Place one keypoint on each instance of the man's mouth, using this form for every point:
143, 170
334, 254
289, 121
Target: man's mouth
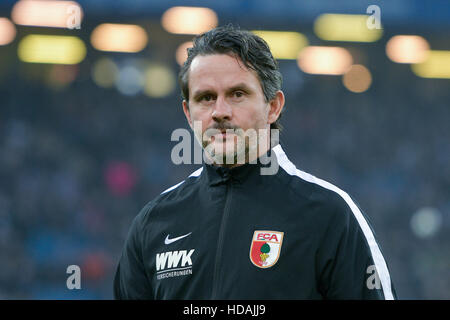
224, 134
221, 135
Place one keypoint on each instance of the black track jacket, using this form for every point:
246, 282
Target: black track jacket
237, 234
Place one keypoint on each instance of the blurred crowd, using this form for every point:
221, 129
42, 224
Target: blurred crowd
78, 163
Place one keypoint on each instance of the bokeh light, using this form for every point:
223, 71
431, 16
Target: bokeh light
120, 178
407, 49
104, 72
324, 60
7, 31
119, 37
345, 27
283, 44
426, 222
160, 81
60, 76
130, 80
47, 13
357, 79
436, 65
189, 20
36, 48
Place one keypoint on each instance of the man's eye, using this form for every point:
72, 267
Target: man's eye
238, 94
207, 98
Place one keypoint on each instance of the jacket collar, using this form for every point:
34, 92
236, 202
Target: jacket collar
217, 175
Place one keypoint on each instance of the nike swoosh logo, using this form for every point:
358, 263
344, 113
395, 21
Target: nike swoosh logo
169, 241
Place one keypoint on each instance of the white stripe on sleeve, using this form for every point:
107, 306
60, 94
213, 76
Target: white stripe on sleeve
196, 173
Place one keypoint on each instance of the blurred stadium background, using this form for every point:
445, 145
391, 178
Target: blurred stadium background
89, 99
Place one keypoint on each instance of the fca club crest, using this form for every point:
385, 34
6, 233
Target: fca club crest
265, 248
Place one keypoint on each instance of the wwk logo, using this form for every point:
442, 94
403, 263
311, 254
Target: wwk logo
174, 264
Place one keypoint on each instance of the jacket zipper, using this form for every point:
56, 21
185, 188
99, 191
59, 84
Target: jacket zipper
223, 225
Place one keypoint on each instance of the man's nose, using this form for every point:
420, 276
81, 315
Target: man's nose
222, 110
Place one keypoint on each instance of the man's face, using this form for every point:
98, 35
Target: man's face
226, 96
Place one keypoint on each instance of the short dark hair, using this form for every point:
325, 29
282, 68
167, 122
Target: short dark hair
250, 48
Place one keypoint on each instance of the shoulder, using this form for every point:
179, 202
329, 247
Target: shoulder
173, 194
331, 202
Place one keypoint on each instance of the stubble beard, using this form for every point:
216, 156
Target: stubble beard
228, 153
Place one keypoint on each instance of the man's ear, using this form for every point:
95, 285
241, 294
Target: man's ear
276, 106
186, 112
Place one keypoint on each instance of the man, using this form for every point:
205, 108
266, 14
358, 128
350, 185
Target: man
232, 230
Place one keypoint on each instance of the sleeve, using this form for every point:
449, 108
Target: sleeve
131, 281
350, 262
